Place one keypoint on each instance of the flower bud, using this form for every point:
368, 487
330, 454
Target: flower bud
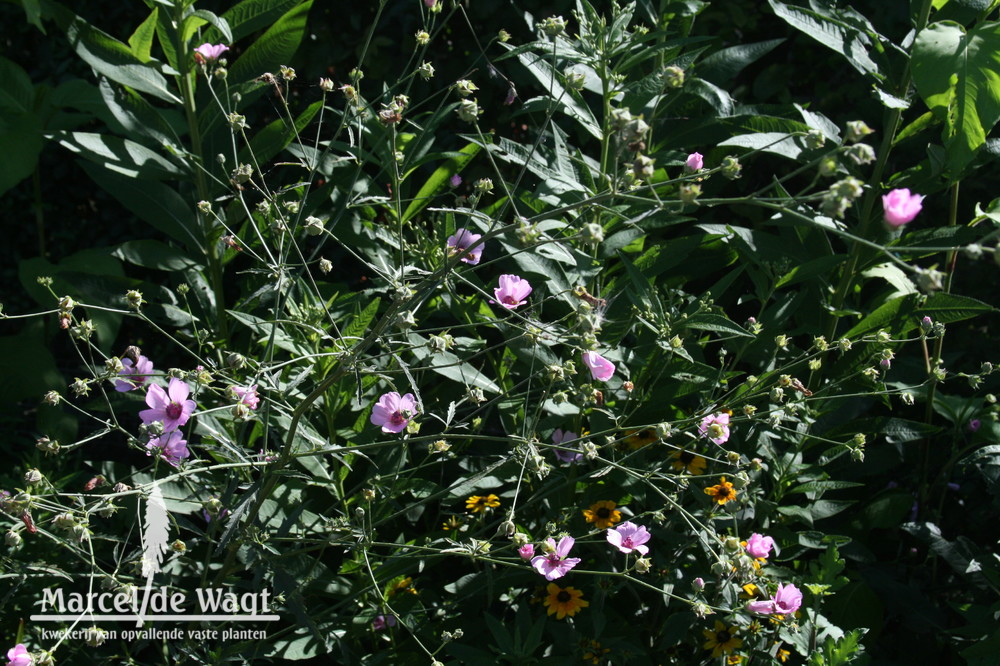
95, 636
553, 26
422, 37
815, 139
468, 110
314, 226
178, 546
689, 193
426, 71
673, 77
134, 299
856, 130
32, 476
325, 266
287, 73
237, 122
643, 565
731, 167
12, 539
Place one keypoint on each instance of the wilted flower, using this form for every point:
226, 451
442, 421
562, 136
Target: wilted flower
171, 407
629, 537
558, 437
715, 427
512, 292
393, 412
555, 563
786, 600
462, 240
900, 207
133, 374
171, 446
600, 368
247, 396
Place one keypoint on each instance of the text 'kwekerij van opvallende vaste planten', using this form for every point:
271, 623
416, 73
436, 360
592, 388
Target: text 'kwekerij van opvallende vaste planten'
461, 332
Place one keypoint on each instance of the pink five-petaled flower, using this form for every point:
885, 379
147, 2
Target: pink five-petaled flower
382, 622
694, 162
554, 563
248, 396
601, 368
211, 52
462, 240
393, 412
786, 600
133, 375
715, 427
171, 445
558, 437
18, 656
759, 546
628, 537
901, 207
527, 551
172, 406
512, 291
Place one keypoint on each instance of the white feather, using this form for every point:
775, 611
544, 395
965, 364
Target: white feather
155, 532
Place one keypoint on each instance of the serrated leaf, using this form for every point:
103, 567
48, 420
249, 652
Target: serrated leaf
725, 64
956, 74
776, 143
715, 323
845, 39
275, 47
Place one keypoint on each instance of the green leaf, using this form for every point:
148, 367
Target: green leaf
116, 61
137, 116
153, 202
274, 138
439, 179
21, 143
120, 155
831, 32
359, 324
17, 95
725, 64
250, 16
715, 323
199, 18
958, 75
141, 40
777, 143
33, 13
154, 254
275, 47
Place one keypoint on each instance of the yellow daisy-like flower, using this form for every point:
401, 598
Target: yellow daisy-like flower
721, 640
563, 601
592, 651
734, 659
480, 503
686, 460
751, 591
636, 439
453, 523
603, 514
783, 655
721, 493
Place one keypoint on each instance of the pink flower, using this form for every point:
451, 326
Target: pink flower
248, 396
900, 206
171, 445
628, 537
171, 406
715, 427
786, 600
133, 375
554, 564
18, 656
381, 622
461, 241
393, 412
558, 437
601, 368
211, 52
512, 291
430, 3
974, 425
694, 162
455, 180
527, 551
759, 546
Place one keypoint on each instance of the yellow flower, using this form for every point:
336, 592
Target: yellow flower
783, 655
603, 514
401, 585
636, 439
734, 659
692, 462
721, 493
592, 651
479, 504
563, 601
453, 523
721, 640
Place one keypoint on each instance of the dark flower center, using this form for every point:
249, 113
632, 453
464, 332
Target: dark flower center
686, 457
722, 637
508, 300
563, 597
724, 491
397, 418
174, 411
603, 512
